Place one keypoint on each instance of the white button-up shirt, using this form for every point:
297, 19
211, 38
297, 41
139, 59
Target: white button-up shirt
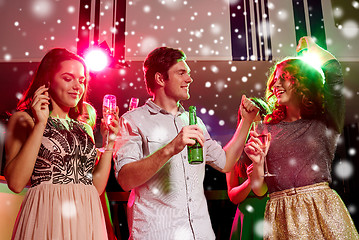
172, 204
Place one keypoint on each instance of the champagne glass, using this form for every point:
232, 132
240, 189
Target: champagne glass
108, 112
264, 139
133, 104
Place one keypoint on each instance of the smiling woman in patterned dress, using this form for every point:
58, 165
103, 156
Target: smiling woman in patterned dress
47, 146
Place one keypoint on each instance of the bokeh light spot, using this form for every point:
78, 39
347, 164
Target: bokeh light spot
338, 12
352, 209
148, 44
146, 9
68, 209
71, 9
355, 4
42, 8
155, 191
96, 59
259, 228
214, 69
315, 167
343, 169
350, 29
249, 208
182, 233
352, 151
7, 57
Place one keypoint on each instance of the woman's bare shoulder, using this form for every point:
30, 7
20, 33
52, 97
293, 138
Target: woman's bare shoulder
21, 119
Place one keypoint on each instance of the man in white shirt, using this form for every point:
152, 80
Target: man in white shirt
167, 200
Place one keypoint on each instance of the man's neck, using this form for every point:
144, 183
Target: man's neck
169, 105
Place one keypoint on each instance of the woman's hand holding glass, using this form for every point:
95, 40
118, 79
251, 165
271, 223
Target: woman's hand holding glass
109, 123
109, 129
257, 149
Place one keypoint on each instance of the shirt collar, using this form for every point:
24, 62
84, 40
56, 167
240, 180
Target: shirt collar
155, 109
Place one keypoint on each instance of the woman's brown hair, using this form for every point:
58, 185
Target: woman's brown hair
308, 85
45, 73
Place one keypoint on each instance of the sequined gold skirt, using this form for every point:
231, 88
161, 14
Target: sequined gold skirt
310, 212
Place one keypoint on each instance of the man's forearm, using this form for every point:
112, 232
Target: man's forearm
137, 173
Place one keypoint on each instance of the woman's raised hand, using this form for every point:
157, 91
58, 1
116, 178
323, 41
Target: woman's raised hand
40, 104
308, 43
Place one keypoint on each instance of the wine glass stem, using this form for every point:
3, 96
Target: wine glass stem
106, 143
265, 166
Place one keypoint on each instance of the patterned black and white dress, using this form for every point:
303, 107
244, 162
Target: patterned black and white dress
62, 202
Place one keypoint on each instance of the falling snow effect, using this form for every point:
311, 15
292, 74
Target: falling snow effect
350, 29
68, 209
202, 31
352, 209
182, 234
315, 168
155, 191
343, 170
266, 228
258, 228
250, 209
42, 9
292, 162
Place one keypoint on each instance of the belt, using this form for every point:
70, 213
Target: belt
298, 190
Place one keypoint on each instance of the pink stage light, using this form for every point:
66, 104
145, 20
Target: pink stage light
97, 59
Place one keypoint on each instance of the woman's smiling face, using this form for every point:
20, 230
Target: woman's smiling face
283, 87
68, 85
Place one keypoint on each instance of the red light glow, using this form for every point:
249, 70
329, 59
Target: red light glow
96, 60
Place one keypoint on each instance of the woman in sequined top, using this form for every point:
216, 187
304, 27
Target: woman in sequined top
46, 145
307, 118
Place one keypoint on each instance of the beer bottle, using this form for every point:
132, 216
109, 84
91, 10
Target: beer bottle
195, 152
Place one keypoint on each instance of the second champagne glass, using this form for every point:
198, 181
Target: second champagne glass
133, 104
108, 112
264, 139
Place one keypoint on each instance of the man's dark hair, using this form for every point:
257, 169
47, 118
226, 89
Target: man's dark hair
160, 60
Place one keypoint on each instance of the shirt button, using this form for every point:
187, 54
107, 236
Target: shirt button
187, 178
190, 199
185, 157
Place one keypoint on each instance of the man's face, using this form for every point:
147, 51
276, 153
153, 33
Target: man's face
179, 79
